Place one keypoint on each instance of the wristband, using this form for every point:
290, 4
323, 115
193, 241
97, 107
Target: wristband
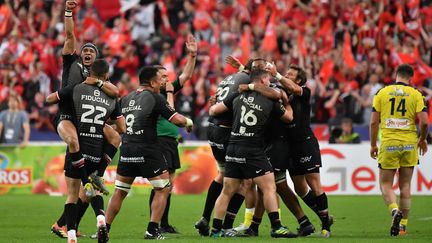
251, 86
169, 91
189, 122
99, 83
241, 68
68, 13
278, 76
192, 54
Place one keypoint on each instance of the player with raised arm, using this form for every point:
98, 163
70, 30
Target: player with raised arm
91, 108
76, 68
305, 152
245, 156
167, 132
141, 153
394, 110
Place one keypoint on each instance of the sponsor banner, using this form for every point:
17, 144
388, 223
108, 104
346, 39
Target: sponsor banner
347, 170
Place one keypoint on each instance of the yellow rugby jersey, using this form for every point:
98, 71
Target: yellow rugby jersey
398, 104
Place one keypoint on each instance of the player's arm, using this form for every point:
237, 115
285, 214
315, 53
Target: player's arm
118, 119
263, 89
284, 111
168, 112
169, 89
373, 133
422, 116
287, 83
69, 45
64, 94
191, 47
107, 87
222, 107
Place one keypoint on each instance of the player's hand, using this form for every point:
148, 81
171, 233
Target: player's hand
71, 4
374, 152
243, 88
212, 100
233, 62
189, 125
191, 45
422, 145
271, 68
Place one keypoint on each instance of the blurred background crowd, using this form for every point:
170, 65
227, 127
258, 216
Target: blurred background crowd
349, 48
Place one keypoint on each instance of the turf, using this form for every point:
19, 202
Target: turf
25, 218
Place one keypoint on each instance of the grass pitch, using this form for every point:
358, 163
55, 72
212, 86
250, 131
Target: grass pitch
28, 218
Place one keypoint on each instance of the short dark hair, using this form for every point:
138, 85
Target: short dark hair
158, 66
257, 74
347, 120
99, 68
301, 73
405, 71
147, 74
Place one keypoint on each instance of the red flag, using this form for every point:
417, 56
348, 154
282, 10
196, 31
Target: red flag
399, 19
326, 70
302, 45
261, 15
269, 42
245, 45
347, 52
325, 28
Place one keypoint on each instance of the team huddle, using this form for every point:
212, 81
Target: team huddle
259, 129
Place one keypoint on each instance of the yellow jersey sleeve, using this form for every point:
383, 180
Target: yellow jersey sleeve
420, 103
376, 103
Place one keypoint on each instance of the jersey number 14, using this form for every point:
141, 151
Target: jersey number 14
400, 108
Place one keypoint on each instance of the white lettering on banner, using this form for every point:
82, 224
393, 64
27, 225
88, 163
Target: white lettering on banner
348, 169
15, 177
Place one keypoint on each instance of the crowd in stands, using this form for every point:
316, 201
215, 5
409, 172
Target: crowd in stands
349, 48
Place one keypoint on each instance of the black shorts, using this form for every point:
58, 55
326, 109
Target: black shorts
218, 138
305, 157
278, 151
145, 161
62, 115
246, 162
73, 172
170, 151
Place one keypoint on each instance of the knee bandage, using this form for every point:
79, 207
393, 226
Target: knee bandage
160, 183
122, 186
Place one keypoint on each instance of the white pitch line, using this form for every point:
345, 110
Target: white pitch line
425, 219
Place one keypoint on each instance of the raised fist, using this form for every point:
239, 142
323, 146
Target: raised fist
71, 4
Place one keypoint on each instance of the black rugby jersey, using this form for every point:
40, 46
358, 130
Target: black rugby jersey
141, 110
299, 129
225, 88
251, 115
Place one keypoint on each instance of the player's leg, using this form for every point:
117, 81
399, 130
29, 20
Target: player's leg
292, 203
250, 199
172, 158
386, 177
234, 206
70, 207
314, 181
67, 132
231, 186
123, 185
111, 143
267, 185
218, 137
161, 186
405, 176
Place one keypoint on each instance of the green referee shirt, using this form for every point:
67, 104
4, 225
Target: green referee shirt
164, 127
